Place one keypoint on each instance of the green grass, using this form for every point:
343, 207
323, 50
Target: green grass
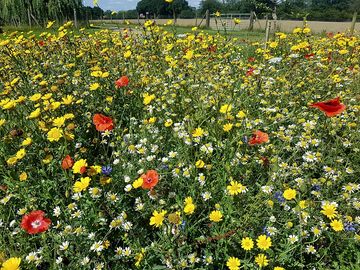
242, 34
36, 30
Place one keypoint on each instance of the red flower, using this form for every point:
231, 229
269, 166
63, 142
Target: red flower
250, 72
123, 81
330, 107
35, 222
259, 137
67, 162
150, 179
309, 56
102, 122
41, 43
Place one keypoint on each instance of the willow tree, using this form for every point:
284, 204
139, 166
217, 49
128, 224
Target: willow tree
38, 11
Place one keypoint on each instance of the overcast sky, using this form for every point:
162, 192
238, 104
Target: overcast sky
117, 5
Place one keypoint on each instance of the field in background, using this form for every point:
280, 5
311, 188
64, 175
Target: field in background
282, 25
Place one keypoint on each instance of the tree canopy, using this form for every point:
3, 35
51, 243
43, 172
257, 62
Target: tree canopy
161, 8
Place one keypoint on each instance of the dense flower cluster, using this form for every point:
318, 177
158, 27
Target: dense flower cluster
151, 150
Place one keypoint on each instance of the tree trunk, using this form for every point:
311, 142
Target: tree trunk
251, 24
207, 15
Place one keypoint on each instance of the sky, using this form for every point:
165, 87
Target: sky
116, 5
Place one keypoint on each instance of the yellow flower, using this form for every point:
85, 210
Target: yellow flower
11, 161
20, 154
138, 183
329, 210
49, 24
2, 122
337, 225
169, 1
343, 51
78, 165
174, 218
48, 159
189, 54
217, 14
54, 134
306, 30
233, 263
23, 176
247, 243
235, 188
200, 164
273, 44
11, 264
26, 142
237, 21
227, 127
263, 242
4, 42
157, 218
168, 123
94, 86
127, 54
279, 268
148, 98
215, 216
289, 194
261, 260
82, 184
189, 209
35, 97
241, 115
34, 114
226, 108
59, 121
198, 132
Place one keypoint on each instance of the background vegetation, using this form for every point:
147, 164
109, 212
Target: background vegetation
19, 12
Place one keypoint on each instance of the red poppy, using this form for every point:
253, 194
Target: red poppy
41, 43
123, 81
35, 222
330, 35
259, 137
150, 179
330, 107
309, 56
212, 48
102, 122
250, 72
67, 162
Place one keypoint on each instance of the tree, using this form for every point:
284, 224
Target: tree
161, 8
211, 5
40, 11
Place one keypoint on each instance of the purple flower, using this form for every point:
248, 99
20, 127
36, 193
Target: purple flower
278, 195
350, 227
106, 169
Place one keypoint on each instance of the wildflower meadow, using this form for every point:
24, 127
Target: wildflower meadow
154, 150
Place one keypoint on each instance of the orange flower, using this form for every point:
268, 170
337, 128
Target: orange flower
123, 81
331, 107
150, 179
259, 137
102, 122
67, 162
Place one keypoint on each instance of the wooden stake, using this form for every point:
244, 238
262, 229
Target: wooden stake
353, 22
207, 15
